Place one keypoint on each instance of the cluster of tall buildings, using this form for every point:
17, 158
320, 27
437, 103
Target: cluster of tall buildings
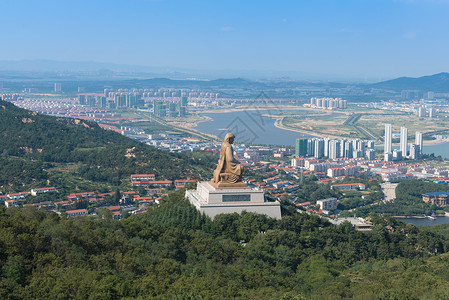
172, 109
95, 100
161, 108
335, 148
172, 94
399, 154
328, 103
164, 102
11, 97
58, 87
423, 112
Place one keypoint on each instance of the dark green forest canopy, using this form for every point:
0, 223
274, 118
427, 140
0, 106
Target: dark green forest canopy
103, 155
174, 252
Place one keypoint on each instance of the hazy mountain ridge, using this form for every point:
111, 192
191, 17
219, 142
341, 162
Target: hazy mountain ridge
95, 76
436, 83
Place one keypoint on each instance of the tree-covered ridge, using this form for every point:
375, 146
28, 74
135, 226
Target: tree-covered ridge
102, 155
174, 252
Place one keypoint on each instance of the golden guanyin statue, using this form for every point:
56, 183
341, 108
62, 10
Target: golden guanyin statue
229, 171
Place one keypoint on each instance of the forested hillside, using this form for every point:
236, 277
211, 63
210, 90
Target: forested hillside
30, 139
173, 252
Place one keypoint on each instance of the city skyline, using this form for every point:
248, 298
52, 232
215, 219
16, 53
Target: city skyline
319, 39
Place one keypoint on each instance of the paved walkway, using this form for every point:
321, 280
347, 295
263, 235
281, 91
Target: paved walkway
389, 190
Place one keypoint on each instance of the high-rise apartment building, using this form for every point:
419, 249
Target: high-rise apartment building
371, 154
421, 112
397, 154
311, 147
418, 142
319, 148
403, 141
414, 151
58, 87
326, 147
301, 147
388, 138
334, 149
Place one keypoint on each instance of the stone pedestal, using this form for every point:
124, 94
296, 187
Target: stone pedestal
213, 200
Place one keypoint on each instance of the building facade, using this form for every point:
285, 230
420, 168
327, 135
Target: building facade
436, 198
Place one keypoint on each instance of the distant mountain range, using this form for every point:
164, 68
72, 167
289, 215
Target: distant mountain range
93, 74
436, 83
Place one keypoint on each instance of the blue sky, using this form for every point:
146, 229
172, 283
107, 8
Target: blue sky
357, 39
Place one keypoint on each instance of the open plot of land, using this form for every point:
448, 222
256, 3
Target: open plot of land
321, 125
376, 122
369, 123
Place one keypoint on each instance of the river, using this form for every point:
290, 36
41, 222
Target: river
426, 221
251, 126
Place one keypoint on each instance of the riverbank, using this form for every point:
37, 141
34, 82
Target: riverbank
435, 142
248, 108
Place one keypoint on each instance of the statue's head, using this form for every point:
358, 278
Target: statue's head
229, 138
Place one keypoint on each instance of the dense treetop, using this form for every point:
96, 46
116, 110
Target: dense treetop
174, 252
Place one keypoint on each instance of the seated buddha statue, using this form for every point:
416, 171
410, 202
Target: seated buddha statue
229, 169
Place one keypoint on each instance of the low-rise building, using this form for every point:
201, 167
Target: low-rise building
437, 198
76, 212
11, 203
143, 177
327, 204
17, 196
348, 186
35, 192
183, 182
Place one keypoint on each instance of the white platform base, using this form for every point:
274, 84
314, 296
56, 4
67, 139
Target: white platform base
213, 201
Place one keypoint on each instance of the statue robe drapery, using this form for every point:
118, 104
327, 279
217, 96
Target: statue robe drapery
227, 164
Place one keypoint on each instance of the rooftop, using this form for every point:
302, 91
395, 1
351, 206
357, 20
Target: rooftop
438, 194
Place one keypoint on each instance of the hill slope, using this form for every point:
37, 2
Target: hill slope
437, 83
101, 155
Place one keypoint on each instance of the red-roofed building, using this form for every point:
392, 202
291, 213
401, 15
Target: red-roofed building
113, 208
116, 215
76, 212
106, 194
17, 196
77, 196
64, 203
11, 203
